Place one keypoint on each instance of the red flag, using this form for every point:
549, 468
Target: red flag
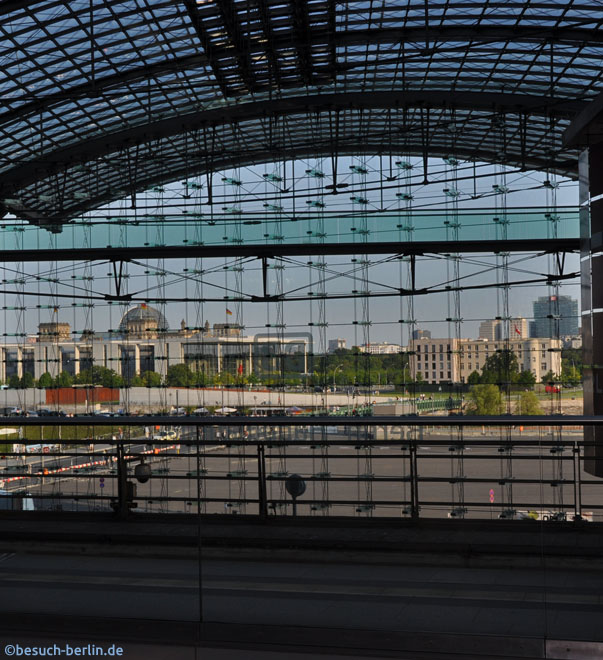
517, 331
240, 369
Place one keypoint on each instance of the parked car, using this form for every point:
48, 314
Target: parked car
46, 412
11, 411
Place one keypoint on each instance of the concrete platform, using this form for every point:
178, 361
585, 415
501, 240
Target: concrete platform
321, 586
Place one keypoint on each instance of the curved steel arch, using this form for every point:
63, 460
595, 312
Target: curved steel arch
133, 158
96, 86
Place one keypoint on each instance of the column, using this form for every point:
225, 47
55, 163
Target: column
19, 362
76, 360
38, 362
591, 270
136, 359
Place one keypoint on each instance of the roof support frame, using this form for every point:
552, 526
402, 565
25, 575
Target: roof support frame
126, 253
26, 173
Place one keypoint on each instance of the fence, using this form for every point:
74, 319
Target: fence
397, 467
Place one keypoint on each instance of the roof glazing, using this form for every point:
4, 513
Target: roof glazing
104, 98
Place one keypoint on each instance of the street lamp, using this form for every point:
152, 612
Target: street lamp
339, 366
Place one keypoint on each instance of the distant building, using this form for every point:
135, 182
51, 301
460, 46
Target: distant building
489, 330
572, 342
421, 334
336, 344
497, 329
453, 360
555, 316
143, 342
54, 332
381, 348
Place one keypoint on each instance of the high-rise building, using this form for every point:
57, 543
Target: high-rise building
496, 329
490, 330
555, 316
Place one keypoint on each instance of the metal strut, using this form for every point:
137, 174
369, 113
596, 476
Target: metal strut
118, 278
265, 276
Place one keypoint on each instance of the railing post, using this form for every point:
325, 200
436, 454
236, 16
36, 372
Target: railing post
414, 489
263, 504
122, 484
577, 481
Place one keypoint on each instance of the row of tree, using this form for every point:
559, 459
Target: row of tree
178, 375
502, 368
343, 367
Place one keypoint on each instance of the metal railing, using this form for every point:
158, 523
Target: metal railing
457, 467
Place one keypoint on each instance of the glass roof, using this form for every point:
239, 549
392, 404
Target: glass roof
104, 98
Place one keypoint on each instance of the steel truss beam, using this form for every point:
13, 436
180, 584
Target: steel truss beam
114, 253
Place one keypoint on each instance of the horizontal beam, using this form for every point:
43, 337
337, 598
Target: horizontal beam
111, 253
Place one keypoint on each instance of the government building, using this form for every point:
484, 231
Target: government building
144, 342
453, 360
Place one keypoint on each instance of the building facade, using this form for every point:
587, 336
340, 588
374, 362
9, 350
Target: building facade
453, 360
143, 342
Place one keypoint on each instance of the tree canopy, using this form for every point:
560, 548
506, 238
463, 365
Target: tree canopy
528, 404
485, 400
99, 376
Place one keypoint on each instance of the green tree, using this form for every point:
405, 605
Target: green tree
199, 379
14, 381
45, 380
151, 379
474, 378
572, 357
136, 381
528, 404
549, 378
526, 378
226, 378
501, 369
485, 400
570, 375
99, 376
179, 375
27, 380
63, 380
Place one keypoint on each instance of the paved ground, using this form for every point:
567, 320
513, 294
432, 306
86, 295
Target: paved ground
487, 601
390, 590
